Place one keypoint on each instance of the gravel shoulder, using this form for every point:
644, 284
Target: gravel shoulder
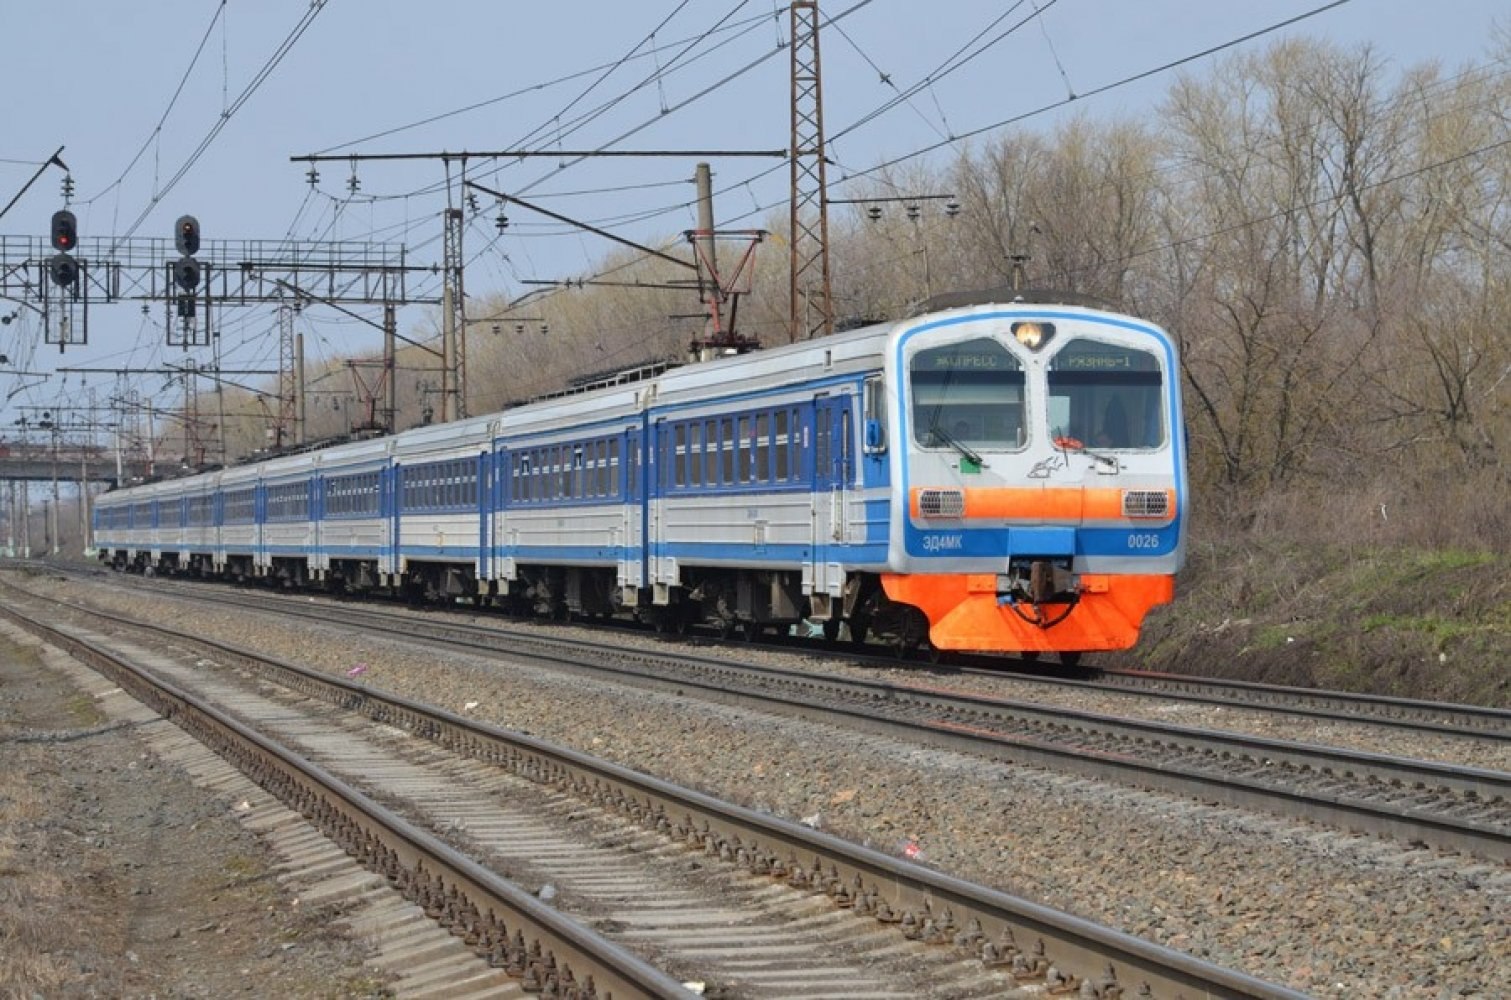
119, 877
1333, 914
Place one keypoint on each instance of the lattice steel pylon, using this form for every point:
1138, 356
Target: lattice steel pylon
454, 395
283, 430
812, 314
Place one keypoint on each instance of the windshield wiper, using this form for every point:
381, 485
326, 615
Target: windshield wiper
940, 434
1068, 444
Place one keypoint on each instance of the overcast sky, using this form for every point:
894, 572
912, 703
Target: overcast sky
99, 78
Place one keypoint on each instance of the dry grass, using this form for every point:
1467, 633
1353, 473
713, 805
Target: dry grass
26, 965
1387, 587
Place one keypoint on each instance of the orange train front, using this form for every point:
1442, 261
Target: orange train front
1037, 474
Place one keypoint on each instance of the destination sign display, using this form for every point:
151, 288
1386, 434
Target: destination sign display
1089, 356
973, 355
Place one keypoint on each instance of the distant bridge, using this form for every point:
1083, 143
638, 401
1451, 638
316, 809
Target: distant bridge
42, 463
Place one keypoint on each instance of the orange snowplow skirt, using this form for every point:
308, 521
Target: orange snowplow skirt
964, 614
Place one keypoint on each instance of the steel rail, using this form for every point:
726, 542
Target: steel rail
498, 919
1003, 930
1348, 706
1413, 715
1094, 745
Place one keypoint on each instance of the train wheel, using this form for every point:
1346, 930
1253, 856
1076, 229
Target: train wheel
751, 632
831, 629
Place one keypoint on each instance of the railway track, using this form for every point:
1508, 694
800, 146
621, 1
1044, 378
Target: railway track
1442, 805
1409, 715
1420, 802
842, 899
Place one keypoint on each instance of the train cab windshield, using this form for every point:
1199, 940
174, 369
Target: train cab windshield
968, 395
1106, 395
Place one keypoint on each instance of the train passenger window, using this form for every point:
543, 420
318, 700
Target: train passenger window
743, 447
1106, 395
679, 467
968, 394
762, 448
843, 446
613, 467
821, 445
781, 442
875, 415
695, 454
632, 467
727, 451
711, 452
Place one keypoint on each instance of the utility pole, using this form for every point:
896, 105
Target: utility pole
454, 322
704, 245
84, 502
26, 519
390, 351
285, 429
808, 230
53, 514
301, 429
151, 443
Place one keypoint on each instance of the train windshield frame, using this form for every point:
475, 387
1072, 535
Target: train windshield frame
970, 393
1107, 395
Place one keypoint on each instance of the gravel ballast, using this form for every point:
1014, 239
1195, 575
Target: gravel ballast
1330, 913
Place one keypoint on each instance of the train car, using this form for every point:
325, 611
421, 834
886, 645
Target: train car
568, 521
440, 516
1000, 472
238, 547
989, 476
762, 504
354, 516
123, 524
199, 536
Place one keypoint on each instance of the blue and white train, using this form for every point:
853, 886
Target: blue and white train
1002, 473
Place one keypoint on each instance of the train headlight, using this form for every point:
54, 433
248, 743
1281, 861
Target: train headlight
1033, 335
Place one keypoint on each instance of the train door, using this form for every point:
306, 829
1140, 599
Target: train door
259, 534
318, 559
833, 477
389, 560
483, 471
663, 568
628, 469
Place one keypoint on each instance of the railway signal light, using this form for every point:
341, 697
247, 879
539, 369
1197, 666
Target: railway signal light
65, 230
186, 273
186, 235
63, 270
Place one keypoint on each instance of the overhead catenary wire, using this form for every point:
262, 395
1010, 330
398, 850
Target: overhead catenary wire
283, 49
872, 171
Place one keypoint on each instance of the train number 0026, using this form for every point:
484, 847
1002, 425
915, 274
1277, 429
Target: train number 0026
1143, 541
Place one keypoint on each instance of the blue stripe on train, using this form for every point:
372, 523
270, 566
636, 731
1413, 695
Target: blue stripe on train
1041, 541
